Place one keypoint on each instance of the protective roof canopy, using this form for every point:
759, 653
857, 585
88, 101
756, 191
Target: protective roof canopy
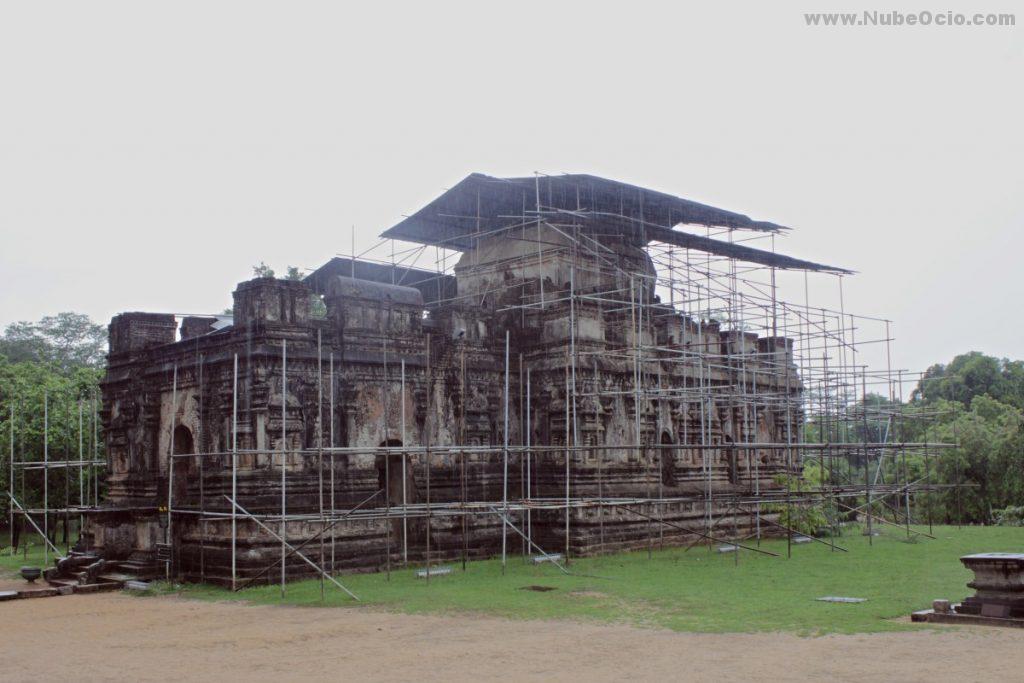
432, 286
481, 204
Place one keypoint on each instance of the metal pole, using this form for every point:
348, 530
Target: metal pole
824, 437
634, 332
428, 423
462, 455
571, 395
46, 540
600, 480
867, 480
522, 460
10, 482
903, 450
95, 454
568, 454
504, 474
81, 465
234, 474
333, 461
387, 465
320, 445
546, 556
789, 451
284, 453
170, 474
66, 503
405, 501
46, 477
302, 557
529, 494
201, 461
273, 565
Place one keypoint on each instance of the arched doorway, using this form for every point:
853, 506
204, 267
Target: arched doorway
183, 440
407, 535
389, 474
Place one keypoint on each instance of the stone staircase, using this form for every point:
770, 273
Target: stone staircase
84, 572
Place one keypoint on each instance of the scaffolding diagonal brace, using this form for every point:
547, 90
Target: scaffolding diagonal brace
308, 561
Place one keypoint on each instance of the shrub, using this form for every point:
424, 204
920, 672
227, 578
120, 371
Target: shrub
1012, 515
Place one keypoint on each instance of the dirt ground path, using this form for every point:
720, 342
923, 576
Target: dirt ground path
125, 638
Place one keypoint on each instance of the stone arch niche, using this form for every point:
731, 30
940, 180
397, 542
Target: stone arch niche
184, 444
668, 460
183, 441
389, 473
390, 481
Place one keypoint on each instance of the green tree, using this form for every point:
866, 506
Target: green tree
986, 468
973, 374
262, 270
67, 340
49, 377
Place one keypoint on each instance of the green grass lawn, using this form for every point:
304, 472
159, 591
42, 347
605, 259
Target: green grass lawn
9, 563
690, 591
683, 591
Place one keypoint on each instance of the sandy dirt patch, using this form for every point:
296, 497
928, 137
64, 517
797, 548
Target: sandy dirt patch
120, 637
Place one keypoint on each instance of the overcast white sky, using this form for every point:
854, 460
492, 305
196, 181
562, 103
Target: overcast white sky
151, 153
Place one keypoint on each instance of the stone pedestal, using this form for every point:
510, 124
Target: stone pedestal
999, 585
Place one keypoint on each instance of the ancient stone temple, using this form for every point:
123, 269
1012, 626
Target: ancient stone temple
556, 385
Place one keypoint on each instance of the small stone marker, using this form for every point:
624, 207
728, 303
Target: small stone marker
802, 539
940, 606
727, 548
538, 559
434, 571
836, 598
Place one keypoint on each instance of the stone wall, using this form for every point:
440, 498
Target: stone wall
163, 395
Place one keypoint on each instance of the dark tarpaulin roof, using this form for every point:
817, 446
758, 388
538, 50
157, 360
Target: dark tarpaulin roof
350, 287
481, 204
433, 286
738, 251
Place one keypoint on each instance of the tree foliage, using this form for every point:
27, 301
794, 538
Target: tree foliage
987, 465
974, 374
979, 404
67, 340
49, 372
263, 270
976, 402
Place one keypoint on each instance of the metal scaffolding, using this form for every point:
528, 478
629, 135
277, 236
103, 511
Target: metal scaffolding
825, 373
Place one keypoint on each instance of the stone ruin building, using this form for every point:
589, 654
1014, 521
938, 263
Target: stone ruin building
546, 386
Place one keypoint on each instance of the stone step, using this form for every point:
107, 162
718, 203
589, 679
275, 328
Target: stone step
98, 587
63, 582
140, 568
131, 566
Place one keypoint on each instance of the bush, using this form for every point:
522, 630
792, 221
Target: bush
804, 518
1010, 516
